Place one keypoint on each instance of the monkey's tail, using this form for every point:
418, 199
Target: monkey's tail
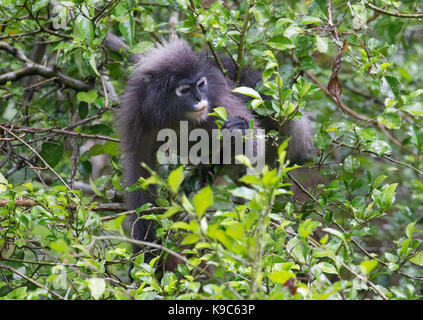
300, 146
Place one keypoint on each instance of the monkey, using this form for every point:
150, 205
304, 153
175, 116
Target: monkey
173, 83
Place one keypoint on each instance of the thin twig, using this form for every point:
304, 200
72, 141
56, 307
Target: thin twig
38, 155
394, 14
32, 281
347, 109
383, 156
100, 207
244, 28
59, 131
32, 68
216, 57
152, 245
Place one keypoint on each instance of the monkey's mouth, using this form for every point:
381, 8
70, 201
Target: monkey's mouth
200, 109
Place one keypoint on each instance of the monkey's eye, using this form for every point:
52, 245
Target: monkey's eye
202, 82
182, 90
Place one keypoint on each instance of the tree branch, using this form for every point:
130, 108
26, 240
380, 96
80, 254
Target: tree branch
116, 44
394, 14
60, 131
32, 68
347, 109
244, 28
192, 7
32, 281
38, 155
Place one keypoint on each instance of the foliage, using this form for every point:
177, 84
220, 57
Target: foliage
352, 229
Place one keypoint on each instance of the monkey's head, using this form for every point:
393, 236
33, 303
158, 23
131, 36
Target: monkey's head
191, 96
172, 83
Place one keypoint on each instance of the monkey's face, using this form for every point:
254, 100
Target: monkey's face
191, 96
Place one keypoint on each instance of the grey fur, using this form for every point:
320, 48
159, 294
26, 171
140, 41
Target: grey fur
300, 145
146, 108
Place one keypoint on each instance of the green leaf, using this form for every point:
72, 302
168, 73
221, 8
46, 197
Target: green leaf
3, 183
88, 97
111, 147
260, 11
322, 44
368, 265
256, 103
389, 194
380, 147
52, 152
281, 276
328, 217
409, 230
248, 92
234, 229
390, 86
97, 287
175, 179
280, 42
307, 227
94, 65
83, 27
171, 211
243, 192
41, 231
82, 109
390, 120
190, 239
351, 164
39, 4
116, 182
297, 249
219, 112
289, 208
59, 246
322, 140
326, 267
378, 181
95, 188
244, 160
385, 197
415, 109
202, 200
127, 28
336, 233
418, 259
310, 20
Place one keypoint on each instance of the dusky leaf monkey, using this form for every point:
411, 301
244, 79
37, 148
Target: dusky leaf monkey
172, 83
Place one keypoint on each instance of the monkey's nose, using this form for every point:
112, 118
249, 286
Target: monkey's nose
197, 96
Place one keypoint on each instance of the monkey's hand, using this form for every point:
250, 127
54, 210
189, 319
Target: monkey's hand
236, 123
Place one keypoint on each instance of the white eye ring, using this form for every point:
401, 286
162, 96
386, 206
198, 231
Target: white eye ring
202, 82
180, 90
